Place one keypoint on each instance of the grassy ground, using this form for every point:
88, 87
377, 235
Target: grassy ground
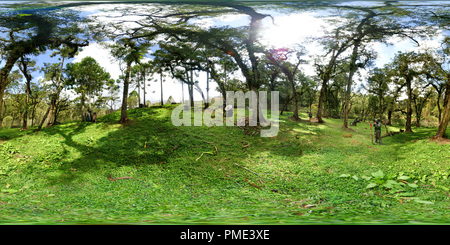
308, 174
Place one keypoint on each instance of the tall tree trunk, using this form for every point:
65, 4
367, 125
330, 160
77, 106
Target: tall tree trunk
83, 107
443, 124
126, 83
55, 97
438, 104
23, 66
4, 74
191, 89
144, 90
207, 91
353, 69
321, 101
418, 109
161, 80
1, 114
294, 97
408, 128
27, 103
1, 107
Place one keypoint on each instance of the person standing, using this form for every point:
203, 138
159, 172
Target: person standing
377, 129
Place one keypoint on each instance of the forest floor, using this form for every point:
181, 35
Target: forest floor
151, 172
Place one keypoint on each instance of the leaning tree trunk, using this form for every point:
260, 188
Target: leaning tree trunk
57, 110
43, 120
286, 103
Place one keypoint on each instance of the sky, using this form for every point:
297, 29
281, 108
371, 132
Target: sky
284, 30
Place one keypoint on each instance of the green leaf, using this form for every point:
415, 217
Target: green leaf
355, 177
443, 187
344, 175
390, 184
405, 194
10, 191
371, 185
423, 201
366, 177
403, 177
378, 174
412, 185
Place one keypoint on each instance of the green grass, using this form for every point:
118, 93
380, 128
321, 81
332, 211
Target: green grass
308, 174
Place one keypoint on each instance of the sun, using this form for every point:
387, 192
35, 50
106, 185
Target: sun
289, 30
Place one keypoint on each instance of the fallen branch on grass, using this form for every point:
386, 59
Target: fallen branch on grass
217, 151
250, 171
114, 179
252, 184
209, 152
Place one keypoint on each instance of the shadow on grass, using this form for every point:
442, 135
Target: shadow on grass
132, 144
151, 139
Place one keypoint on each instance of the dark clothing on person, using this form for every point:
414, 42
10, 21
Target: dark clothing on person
88, 117
377, 128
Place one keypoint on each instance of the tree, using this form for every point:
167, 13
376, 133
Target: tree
336, 46
406, 66
438, 75
139, 74
87, 78
182, 59
239, 43
378, 85
54, 74
360, 26
128, 52
420, 96
32, 31
14, 91
26, 66
278, 57
133, 100
113, 90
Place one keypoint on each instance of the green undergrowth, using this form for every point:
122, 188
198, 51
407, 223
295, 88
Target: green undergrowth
308, 173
